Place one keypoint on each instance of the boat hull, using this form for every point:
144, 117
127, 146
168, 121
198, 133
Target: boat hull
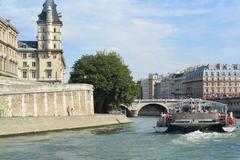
186, 128
161, 129
230, 129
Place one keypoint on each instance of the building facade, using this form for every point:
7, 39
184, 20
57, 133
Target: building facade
221, 80
43, 60
153, 80
148, 86
145, 88
206, 81
171, 86
8, 49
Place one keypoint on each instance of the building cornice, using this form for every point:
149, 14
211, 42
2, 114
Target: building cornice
9, 45
8, 24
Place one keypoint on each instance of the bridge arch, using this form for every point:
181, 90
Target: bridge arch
151, 109
128, 112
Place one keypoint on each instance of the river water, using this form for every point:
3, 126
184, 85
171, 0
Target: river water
135, 141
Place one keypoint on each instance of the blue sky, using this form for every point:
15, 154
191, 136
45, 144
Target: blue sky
152, 36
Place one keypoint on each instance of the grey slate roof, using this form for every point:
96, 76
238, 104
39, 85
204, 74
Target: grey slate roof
43, 15
28, 44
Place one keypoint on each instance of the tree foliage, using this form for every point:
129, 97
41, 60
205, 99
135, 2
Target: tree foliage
112, 80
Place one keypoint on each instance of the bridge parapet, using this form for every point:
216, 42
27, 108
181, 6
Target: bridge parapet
138, 104
158, 100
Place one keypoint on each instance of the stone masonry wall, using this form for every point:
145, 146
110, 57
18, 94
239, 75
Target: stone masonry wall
46, 100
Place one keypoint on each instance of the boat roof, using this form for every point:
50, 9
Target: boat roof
206, 103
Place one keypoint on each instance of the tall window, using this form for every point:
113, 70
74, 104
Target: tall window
33, 55
24, 74
49, 74
33, 64
49, 64
24, 56
34, 74
55, 46
24, 64
55, 30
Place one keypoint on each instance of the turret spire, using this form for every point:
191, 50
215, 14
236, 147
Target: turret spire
53, 6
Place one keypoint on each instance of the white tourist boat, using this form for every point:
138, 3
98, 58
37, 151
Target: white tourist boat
196, 114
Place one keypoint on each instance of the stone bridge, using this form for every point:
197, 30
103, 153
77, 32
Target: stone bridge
149, 107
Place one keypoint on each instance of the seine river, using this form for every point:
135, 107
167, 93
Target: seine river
136, 141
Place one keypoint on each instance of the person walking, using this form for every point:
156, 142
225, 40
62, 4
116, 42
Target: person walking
69, 111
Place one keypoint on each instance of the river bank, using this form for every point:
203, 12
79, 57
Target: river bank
24, 125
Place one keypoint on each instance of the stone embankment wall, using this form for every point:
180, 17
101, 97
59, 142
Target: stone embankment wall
46, 100
23, 125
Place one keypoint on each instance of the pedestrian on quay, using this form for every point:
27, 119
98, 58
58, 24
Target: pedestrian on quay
72, 111
69, 111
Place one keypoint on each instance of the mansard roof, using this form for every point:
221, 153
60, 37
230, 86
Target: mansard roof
43, 15
28, 44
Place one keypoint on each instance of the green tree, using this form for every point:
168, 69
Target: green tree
112, 80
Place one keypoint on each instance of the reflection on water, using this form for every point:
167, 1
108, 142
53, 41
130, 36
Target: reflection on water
125, 142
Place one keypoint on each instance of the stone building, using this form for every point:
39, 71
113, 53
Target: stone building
148, 86
206, 81
171, 86
153, 80
43, 60
8, 49
194, 82
211, 81
28, 62
221, 80
164, 89
145, 88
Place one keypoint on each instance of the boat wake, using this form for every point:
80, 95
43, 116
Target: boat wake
201, 137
